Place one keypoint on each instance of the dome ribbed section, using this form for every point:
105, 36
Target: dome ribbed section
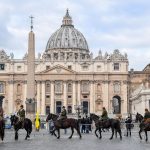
67, 37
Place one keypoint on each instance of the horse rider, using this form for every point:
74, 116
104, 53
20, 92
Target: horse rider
104, 115
21, 114
147, 116
63, 114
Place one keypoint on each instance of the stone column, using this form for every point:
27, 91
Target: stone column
43, 98
91, 97
94, 97
52, 107
106, 95
74, 97
79, 93
11, 96
65, 94
124, 103
38, 100
25, 94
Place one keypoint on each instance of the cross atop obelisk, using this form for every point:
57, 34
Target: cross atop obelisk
31, 17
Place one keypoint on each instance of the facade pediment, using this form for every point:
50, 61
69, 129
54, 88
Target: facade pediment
58, 69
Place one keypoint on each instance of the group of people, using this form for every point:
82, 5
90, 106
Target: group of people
63, 114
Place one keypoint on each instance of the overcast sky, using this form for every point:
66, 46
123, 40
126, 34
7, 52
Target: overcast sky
106, 25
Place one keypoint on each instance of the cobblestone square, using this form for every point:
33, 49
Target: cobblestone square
43, 140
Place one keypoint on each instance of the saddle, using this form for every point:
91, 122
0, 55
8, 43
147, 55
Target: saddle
61, 121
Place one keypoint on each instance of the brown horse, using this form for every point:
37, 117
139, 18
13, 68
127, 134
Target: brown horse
2, 129
64, 124
144, 127
114, 124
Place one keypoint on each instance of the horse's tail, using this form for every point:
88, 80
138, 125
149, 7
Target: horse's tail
29, 126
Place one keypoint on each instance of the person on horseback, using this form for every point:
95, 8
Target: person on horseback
147, 116
21, 114
104, 115
63, 114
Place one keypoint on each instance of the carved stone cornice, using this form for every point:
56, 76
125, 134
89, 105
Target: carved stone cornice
106, 81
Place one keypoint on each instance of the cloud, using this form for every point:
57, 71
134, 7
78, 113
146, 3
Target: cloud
106, 24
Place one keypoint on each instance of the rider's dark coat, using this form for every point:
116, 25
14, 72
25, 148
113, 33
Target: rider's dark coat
63, 114
104, 115
21, 114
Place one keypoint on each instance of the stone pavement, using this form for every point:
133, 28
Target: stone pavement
44, 141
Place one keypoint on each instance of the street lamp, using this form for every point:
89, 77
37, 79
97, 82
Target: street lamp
78, 109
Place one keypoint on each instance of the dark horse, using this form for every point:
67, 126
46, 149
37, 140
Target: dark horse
18, 125
2, 129
114, 124
64, 124
144, 127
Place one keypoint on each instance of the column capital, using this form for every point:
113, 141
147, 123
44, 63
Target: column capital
106, 81
11, 82
38, 81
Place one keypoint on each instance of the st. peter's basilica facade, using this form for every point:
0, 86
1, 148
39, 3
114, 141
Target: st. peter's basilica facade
66, 74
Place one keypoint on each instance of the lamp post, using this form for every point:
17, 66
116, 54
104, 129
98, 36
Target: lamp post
78, 109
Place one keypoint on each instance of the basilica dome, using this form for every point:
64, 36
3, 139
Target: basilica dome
67, 37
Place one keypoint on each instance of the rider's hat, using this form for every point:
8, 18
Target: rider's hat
63, 107
21, 106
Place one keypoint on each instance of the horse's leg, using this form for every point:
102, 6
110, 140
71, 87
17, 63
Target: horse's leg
112, 129
53, 132
100, 133
140, 133
58, 133
72, 131
78, 131
130, 132
16, 134
120, 134
127, 131
146, 135
116, 133
96, 132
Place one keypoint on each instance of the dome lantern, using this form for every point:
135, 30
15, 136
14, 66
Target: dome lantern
67, 20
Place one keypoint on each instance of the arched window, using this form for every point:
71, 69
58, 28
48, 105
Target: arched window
1, 87
117, 87
69, 87
18, 88
47, 87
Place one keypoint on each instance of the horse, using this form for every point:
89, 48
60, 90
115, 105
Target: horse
144, 127
138, 118
129, 125
114, 124
64, 124
18, 125
2, 129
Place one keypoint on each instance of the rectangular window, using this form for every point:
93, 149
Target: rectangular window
1, 87
47, 67
69, 67
85, 68
2, 66
116, 66
18, 68
69, 96
98, 68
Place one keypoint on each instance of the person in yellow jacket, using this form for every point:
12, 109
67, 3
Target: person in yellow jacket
37, 122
